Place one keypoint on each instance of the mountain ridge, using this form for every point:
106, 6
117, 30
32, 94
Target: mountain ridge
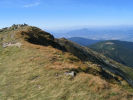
120, 51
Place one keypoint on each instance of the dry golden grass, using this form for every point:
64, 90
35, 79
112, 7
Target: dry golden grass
36, 72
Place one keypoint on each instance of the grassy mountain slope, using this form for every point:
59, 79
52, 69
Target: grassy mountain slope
83, 41
34, 69
120, 51
86, 54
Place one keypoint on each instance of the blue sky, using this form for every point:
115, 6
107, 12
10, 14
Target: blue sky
55, 14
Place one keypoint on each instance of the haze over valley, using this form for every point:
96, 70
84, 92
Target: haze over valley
124, 33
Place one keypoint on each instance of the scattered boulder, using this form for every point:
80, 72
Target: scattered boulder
11, 44
70, 73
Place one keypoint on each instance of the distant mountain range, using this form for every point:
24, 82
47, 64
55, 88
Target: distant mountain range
118, 33
119, 51
83, 41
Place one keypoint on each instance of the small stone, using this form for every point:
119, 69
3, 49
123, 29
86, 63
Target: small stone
72, 73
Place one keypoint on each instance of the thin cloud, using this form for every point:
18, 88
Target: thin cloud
32, 5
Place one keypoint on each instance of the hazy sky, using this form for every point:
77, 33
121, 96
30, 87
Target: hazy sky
66, 13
